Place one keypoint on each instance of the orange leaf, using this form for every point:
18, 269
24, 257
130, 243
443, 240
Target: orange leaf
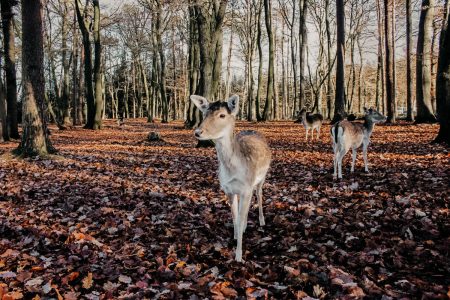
87, 281
74, 275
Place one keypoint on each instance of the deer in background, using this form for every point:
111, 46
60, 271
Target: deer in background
346, 135
244, 159
310, 121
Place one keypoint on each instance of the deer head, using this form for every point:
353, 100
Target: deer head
373, 115
218, 117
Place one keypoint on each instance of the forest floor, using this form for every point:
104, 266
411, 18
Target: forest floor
116, 216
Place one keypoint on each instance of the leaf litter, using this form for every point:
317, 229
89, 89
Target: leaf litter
116, 216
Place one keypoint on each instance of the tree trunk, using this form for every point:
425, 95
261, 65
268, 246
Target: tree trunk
328, 32
423, 65
443, 81
270, 73
258, 99
303, 40
409, 83
65, 95
3, 123
75, 93
97, 69
194, 62
339, 101
89, 89
35, 139
389, 74
230, 51
10, 68
162, 65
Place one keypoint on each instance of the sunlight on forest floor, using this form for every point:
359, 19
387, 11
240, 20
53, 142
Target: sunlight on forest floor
119, 216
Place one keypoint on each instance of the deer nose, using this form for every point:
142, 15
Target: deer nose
198, 132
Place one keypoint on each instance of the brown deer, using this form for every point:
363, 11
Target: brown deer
244, 159
346, 135
310, 121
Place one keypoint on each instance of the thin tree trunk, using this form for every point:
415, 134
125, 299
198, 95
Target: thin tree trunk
329, 83
258, 99
409, 83
75, 95
3, 123
97, 68
389, 74
64, 100
270, 73
89, 89
339, 102
303, 40
10, 68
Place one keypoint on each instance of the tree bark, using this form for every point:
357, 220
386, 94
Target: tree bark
339, 101
409, 83
389, 70
65, 95
303, 40
423, 65
260, 67
89, 89
270, 73
3, 123
35, 139
10, 67
97, 124
162, 64
443, 81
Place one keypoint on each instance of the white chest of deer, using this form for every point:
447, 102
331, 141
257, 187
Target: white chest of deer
244, 160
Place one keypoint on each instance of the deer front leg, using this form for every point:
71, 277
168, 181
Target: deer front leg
306, 137
365, 146
318, 133
234, 211
353, 159
244, 205
260, 203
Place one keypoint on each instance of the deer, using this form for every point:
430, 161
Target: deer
244, 160
346, 135
311, 121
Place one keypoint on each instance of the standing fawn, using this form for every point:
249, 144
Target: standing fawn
346, 135
244, 159
311, 121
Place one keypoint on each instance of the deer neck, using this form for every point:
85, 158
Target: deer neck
368, 127
226, 148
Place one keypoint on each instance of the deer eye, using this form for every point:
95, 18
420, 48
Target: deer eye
222, 116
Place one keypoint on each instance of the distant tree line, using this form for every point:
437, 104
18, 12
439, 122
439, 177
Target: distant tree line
81, 62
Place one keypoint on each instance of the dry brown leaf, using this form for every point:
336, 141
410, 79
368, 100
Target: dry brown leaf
88, 281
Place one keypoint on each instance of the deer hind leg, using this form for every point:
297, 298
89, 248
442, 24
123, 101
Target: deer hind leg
233, 198
260, 203
333, 142
353, 160
306, 137
341, 153
244, 205
318, 133
365, 146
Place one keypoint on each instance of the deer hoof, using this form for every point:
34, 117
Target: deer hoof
238, 255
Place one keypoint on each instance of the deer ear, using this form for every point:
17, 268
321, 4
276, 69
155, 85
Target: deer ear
365, 110
233, 104
201, 103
